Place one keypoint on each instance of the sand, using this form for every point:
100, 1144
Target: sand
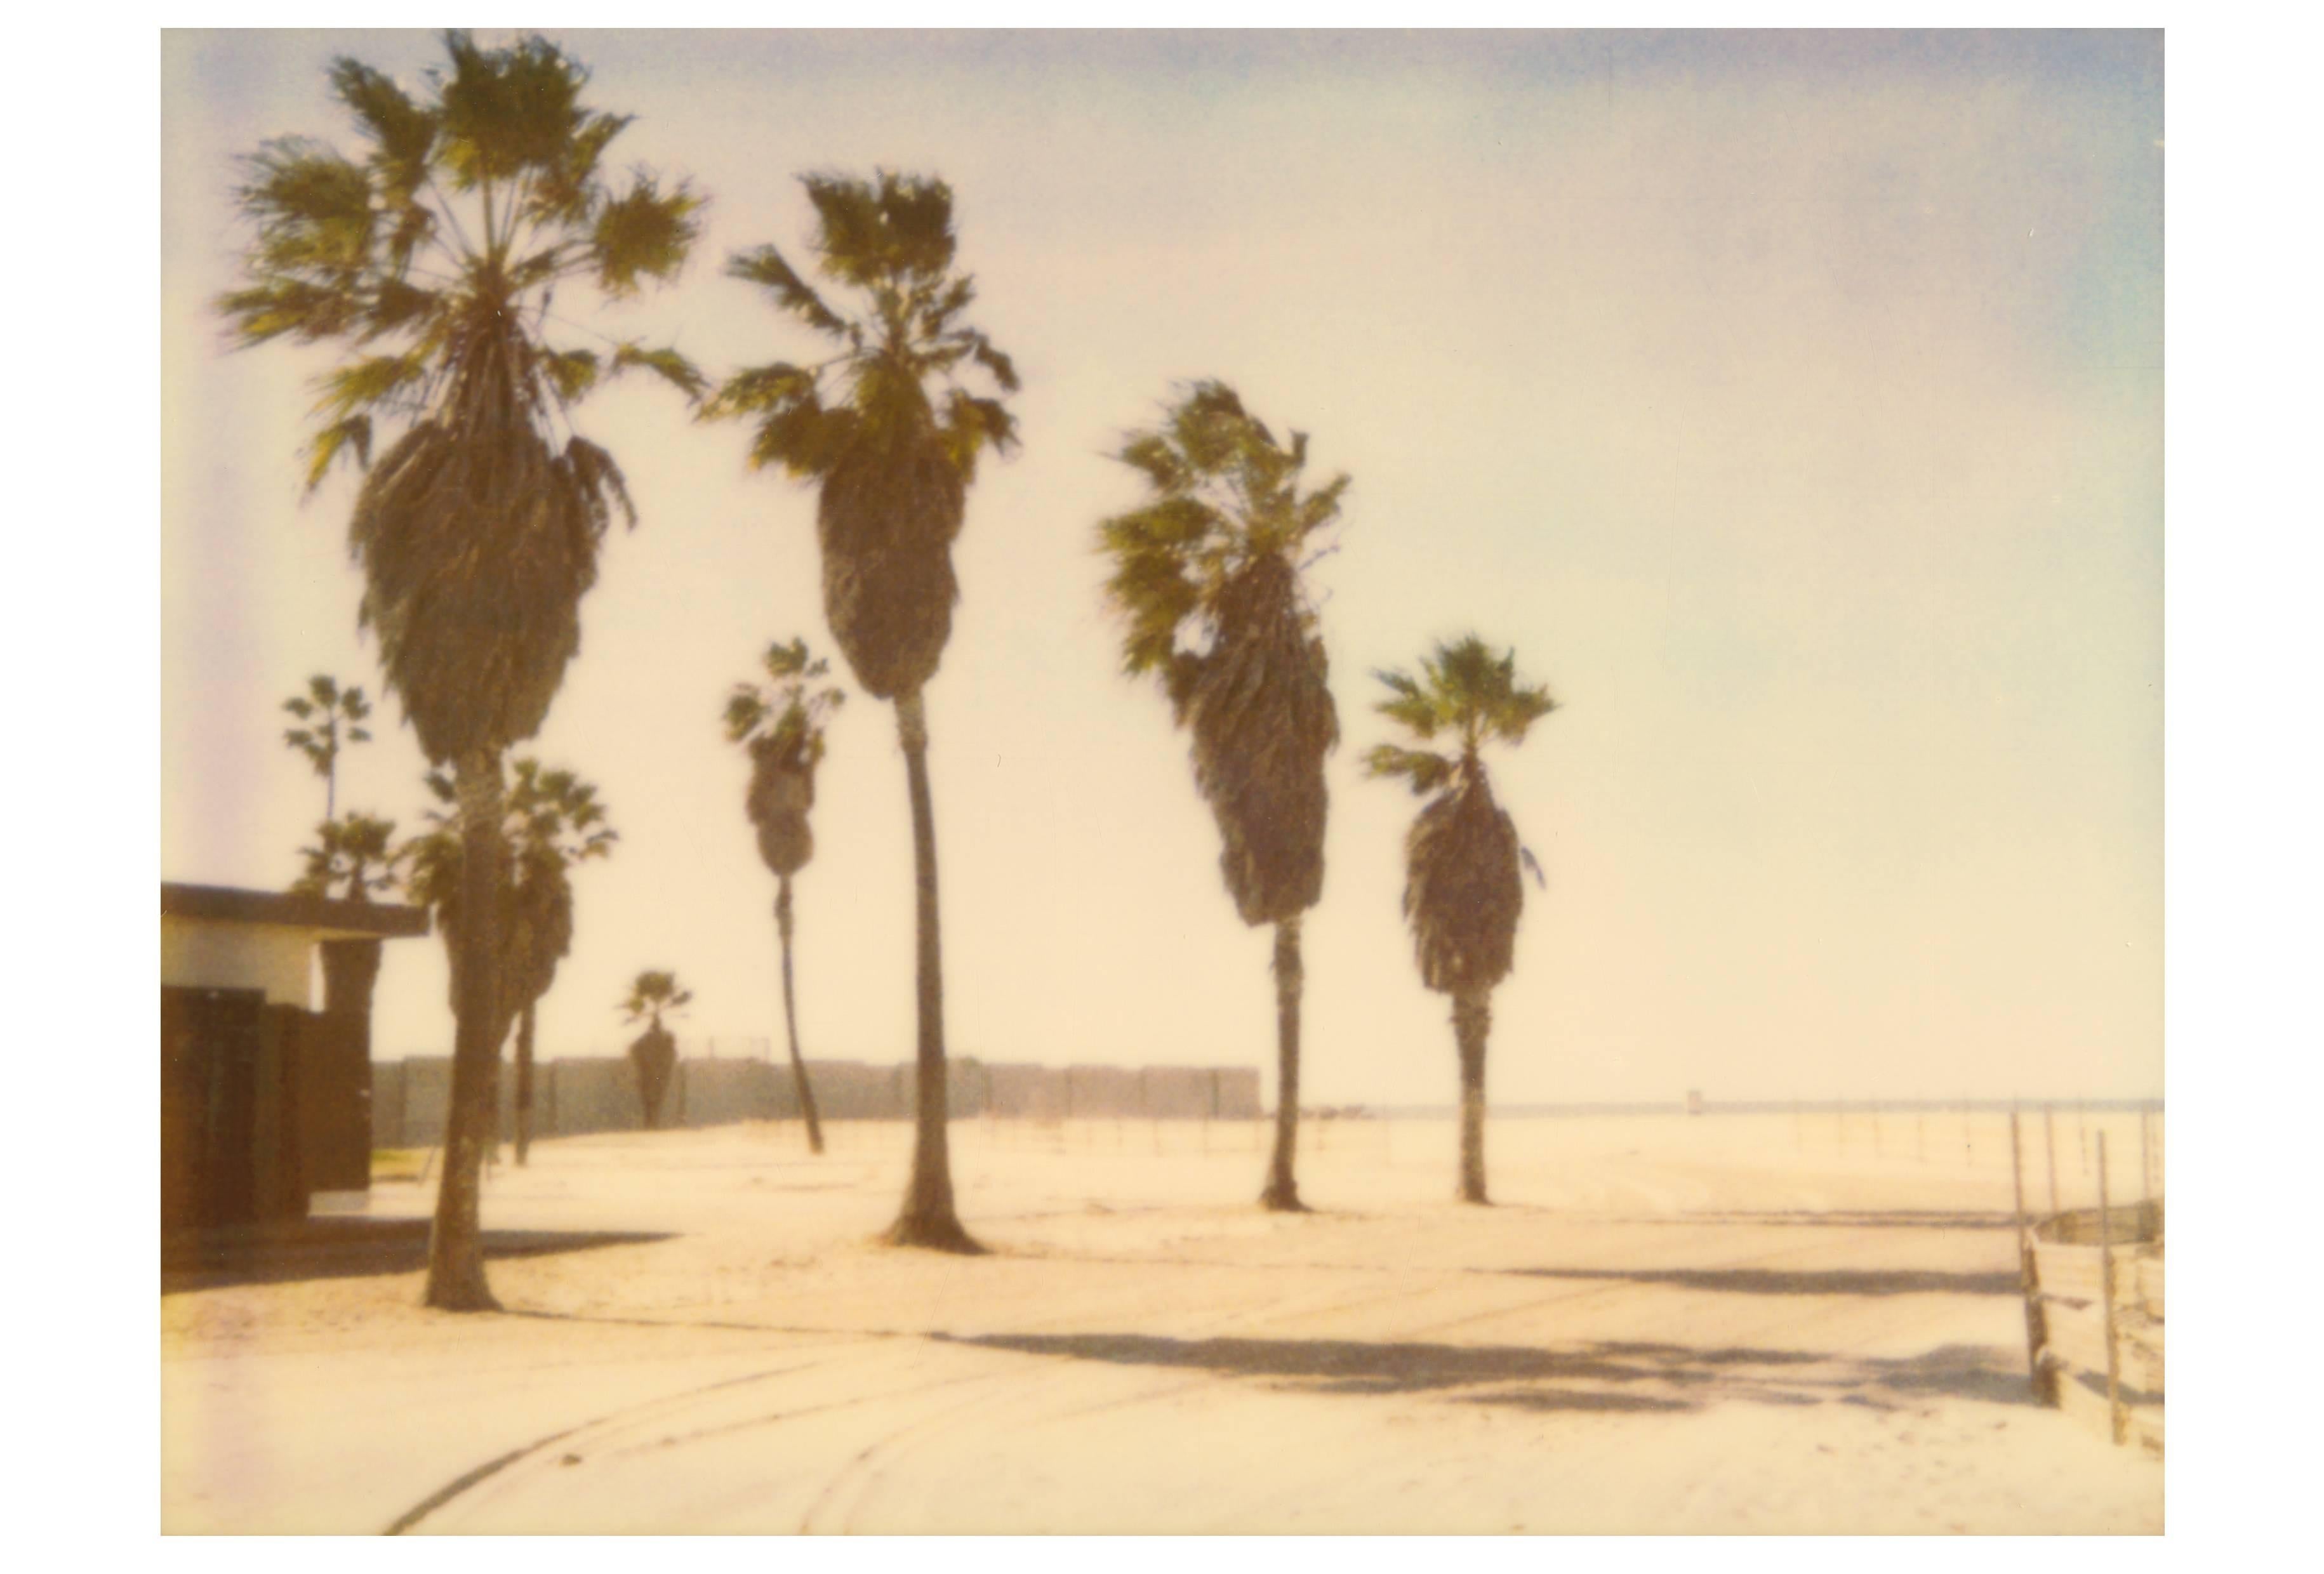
1730, 1324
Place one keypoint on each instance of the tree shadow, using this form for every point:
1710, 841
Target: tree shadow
1870, 1219
1795, 1281
1592, 1376
344, 1249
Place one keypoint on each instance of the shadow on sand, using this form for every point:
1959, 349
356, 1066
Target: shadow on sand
1872, 1219
1794, 1280
343, 1248
1587, 1376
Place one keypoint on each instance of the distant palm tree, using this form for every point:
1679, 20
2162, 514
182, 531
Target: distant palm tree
554, 820
1462, 892
651, 997
477, 531
558, 824
893, 454
334, 718
352, 859
783, 729
1207, 575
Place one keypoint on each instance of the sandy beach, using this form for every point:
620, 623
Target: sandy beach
1730, 1324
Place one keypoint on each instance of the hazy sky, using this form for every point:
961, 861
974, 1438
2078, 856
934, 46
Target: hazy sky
1793, 404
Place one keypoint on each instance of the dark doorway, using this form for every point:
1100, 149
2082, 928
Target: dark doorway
334, 1084
210, 1049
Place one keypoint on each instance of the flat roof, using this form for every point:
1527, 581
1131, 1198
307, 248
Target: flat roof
290, 910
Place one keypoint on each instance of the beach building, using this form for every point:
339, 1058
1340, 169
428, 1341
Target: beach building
266, 1101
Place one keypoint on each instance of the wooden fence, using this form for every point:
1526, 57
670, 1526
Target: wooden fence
2092, 1280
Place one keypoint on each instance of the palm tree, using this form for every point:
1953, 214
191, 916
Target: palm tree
557, 822
892, 452
783, 731
353, 858
652, 995
1207, 576
333, 718
1461, 891
433, 259
554, 820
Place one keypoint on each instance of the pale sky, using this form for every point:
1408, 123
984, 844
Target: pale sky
1793, 405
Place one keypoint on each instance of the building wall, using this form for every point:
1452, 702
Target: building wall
201, 954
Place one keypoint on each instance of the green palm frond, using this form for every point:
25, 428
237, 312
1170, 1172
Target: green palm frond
665, 363
1224, 494
572, 372
1465, 688
644, 234
370, 384
354, 858
1425, 771
765, 266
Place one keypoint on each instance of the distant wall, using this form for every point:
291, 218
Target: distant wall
575, 1096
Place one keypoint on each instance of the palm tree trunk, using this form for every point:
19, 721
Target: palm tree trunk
790, 1017
1282, 1192
927, 1217
1472, 1020
524, 1082
456, 1258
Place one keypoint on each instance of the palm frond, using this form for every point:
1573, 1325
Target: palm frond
644, 234
401, 133
764, 266
350, 434
1426, 772
665, 363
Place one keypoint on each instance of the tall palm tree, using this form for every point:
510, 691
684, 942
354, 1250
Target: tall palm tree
433, 259
1207, 575
892, 451
1462, 892
783, 729
334, 719
653, 996
554, 820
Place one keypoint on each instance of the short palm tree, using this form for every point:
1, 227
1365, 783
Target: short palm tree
1462, 892
333, 718
783, 729
554, 820
434, 258
353, 858
890, 437
1207, 576
653, 996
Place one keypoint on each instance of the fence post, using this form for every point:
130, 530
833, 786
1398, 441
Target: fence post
2118, 1421
2029, 1284
2050, 1146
